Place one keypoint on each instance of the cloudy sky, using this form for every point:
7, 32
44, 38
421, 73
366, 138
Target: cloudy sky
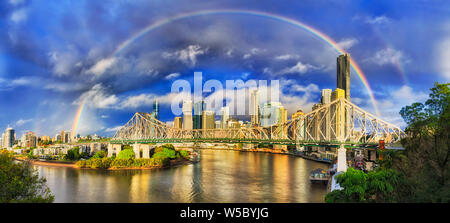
56, 55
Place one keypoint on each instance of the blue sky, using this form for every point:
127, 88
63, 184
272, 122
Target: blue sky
55, 54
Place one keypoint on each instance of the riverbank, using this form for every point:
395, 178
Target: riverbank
70, 164
48, 162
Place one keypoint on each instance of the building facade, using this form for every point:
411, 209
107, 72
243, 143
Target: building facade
343, 74
187, 115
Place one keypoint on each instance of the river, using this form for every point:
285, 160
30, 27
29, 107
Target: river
220, 176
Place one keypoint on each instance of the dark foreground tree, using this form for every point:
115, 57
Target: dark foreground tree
421, 172
19, 182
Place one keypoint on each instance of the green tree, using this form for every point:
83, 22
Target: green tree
126, 154
73, 154
100, 154
375, 186
19, 182
425, 162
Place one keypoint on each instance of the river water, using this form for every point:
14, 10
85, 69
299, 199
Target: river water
220, 176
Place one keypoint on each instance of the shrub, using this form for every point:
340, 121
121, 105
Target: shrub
126, 154
159, 149
184, 154
100, 154
169, 146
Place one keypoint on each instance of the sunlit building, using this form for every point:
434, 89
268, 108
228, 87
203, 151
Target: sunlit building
9, 138
208, 121
177, 123
225, 112
254, 108
187, 115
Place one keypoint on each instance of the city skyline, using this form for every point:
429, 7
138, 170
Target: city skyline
45, 79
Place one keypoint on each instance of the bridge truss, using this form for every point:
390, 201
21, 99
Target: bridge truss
339, 122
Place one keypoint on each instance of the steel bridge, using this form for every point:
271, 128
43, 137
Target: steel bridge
339, 123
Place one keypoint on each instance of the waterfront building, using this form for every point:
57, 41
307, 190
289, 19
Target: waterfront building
177, 122
225, 112
343, 74
30, 139
208, 120
254, 108
187, 115
199, 107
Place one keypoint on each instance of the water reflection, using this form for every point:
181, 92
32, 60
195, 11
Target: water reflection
221, 176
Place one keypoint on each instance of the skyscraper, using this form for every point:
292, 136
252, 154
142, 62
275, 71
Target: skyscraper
187, 114
225, 112
326, 96
272, 113
343, 74
177, 123
9, 138
199, 107
254, 107
155, 112
208, 120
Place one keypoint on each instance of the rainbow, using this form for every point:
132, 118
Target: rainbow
293, 22
76, 121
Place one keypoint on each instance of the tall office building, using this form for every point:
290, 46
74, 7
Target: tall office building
155, 112
199, 107
187, 114
177, 123
326, 96
272, 114
343, 74
62, 136
9, 137
254, 107
208, 118
225, 112
67, 137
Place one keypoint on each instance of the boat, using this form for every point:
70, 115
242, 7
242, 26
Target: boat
319, 176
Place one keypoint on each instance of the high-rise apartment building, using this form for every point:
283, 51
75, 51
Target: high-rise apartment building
326, 96
9, 138
272, 113
199, 107
30, 139
187, 115
254, 108
177, 122
208, 118
225, 112
343, 74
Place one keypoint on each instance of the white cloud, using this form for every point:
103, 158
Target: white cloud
378, 20
97, 97
394, 101
389, 56
172, 75
346, 44
287, 57
188, 55
23, 121
299, 68
101, 66
19, 15
113, 129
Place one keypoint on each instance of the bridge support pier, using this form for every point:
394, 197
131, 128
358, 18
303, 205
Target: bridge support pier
146, 152
114, 148
342, 159
137, 150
